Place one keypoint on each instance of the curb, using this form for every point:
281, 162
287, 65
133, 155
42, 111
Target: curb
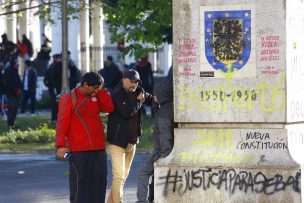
26, 151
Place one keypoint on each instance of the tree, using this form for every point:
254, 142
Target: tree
142, 24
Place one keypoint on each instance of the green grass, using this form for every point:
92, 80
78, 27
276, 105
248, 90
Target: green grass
145, 141
24, 123
27, 147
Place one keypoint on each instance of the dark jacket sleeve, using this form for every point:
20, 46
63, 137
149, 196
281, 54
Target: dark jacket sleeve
123, 106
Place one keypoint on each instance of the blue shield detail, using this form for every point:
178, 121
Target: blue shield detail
227, 39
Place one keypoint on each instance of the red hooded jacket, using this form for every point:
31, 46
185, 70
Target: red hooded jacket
80, 128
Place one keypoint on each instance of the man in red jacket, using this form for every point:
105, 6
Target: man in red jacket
79, 130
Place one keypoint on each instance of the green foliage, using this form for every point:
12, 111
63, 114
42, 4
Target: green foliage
43, 134
25, 122
145, 141
142, 25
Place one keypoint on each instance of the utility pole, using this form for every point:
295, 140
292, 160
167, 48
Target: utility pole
64, 21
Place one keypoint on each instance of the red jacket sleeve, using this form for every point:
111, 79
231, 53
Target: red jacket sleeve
63, 120
105, 101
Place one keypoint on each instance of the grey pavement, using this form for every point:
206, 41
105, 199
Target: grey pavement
40, 178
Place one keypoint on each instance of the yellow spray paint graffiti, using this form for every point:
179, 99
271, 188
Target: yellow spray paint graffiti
221, 140
200, 157
222, 98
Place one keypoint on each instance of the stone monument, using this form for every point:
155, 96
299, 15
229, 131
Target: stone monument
238, 102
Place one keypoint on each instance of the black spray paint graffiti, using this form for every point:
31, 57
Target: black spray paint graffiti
261, 141
229, 180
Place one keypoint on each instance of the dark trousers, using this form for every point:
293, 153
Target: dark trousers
54, 104
12, 108
25, 97
88, 176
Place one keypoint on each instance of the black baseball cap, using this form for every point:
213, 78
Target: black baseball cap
131, 75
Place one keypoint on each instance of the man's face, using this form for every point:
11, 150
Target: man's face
130, 85
108, 62
89, 90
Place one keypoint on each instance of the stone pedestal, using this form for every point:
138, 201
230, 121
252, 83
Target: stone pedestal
228, 165
238, 97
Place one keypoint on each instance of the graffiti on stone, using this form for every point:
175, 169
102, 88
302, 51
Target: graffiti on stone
270, 48
228, 180
261, 141
221, 98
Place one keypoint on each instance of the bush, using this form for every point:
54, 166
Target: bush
41, 135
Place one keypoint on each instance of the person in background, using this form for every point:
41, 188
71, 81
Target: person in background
26, 48
8, 50
124, 129
80, 132
144, 68
29, 45
170, 74
44, 54
162, 137
29, 85
13, 87
52, 80
23, 51
111, 74
74, 73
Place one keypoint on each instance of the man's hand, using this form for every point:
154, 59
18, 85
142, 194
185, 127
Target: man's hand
60, 152
141, 97
155, 100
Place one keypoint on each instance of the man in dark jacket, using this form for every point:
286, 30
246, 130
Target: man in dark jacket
124, 128
13, 86
8, 49
162, 137
29, 87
